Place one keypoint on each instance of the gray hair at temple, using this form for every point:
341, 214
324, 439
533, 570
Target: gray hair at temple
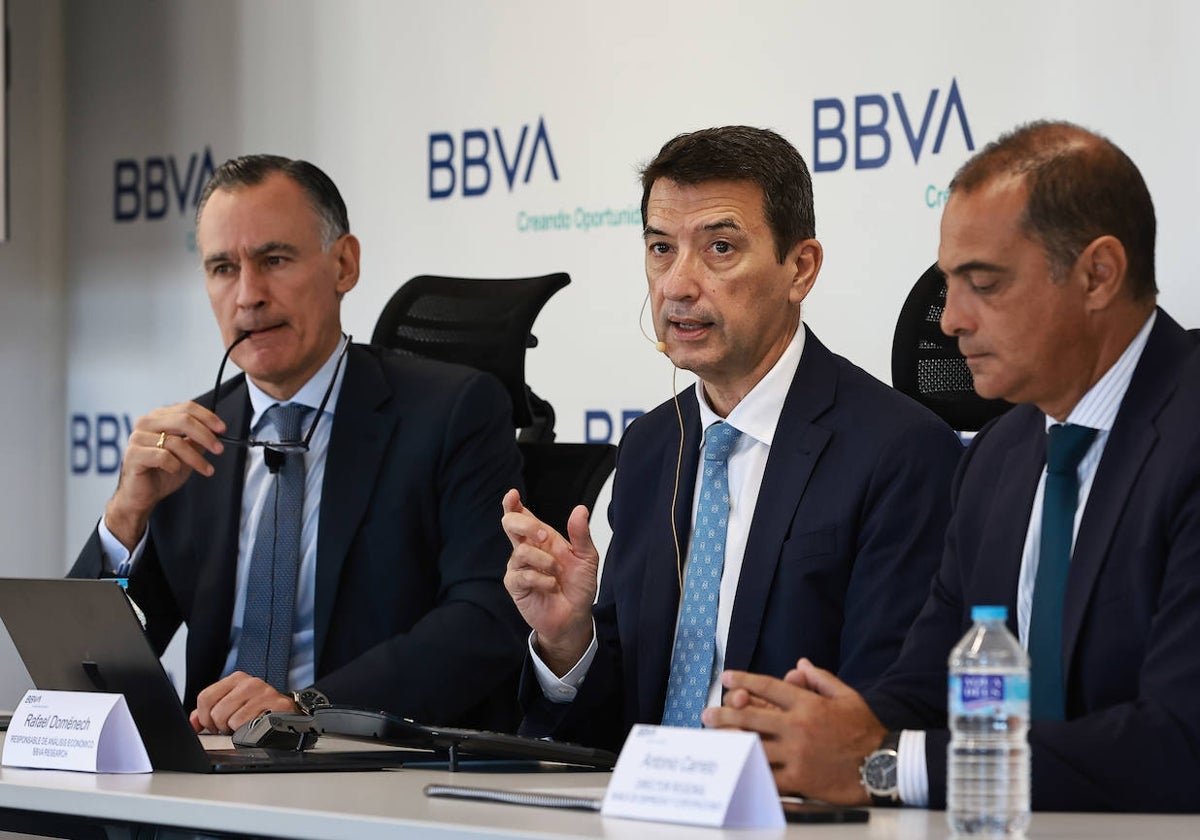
1080, 187
323, 195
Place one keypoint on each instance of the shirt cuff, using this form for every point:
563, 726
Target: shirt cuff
562, 689
912, 774
117, 558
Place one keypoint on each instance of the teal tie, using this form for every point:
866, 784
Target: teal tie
695, 635
265, 645
1066, 444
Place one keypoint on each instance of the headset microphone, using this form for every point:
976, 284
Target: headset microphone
661, 347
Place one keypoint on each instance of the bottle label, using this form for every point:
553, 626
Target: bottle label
977, 694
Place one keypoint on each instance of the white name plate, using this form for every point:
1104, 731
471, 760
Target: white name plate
695, 777
75, 730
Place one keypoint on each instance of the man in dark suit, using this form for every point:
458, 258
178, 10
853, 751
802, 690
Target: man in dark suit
396, 577
837, 486
1048, 248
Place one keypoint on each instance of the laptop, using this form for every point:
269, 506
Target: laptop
83, 635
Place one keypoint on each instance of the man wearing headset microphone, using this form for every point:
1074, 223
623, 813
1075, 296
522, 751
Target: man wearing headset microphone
787, 505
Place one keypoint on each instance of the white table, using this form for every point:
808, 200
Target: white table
390, 804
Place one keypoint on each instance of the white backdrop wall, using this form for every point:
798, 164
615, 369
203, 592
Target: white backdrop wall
550, 107
33, 340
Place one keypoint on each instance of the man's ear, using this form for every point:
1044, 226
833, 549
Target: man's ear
805, 260
1103, 269
347, 251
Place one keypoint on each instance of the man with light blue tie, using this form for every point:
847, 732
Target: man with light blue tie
1079, 509
787, 505
325, 523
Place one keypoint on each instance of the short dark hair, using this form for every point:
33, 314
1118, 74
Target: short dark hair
742, 153
1080, 186
323, 195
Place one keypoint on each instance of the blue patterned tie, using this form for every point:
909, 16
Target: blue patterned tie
695, 636
265, 646
1066, 444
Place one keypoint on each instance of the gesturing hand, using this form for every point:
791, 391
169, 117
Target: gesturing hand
552, 581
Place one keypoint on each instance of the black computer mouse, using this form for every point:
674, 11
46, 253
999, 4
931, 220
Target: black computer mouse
277, 730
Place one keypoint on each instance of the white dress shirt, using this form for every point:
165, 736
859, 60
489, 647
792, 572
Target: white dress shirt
756, 417
301, 671
1097, 410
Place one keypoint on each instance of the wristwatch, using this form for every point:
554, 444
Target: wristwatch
878, 772
309, 700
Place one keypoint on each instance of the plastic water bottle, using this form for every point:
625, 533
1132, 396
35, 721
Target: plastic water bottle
987, 778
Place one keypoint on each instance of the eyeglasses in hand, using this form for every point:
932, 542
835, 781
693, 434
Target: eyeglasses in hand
281, 446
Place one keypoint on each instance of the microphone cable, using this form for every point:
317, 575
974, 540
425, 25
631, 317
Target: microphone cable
661, 347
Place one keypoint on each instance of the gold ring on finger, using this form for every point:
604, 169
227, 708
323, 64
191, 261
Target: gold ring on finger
162, 441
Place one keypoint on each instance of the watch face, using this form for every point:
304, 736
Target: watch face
310, 699
879, 772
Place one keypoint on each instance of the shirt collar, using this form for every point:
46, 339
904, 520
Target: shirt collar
1099, 406
757, 415
310, 392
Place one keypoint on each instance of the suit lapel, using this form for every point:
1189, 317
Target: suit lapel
357, 445
795, 450
659, 603
1001, 536
1130, 443
218, 511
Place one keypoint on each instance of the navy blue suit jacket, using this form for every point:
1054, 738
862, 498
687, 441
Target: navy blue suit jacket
843, 542
1131, 617
411, 612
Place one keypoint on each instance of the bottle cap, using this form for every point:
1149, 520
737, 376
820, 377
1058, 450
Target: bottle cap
989, 613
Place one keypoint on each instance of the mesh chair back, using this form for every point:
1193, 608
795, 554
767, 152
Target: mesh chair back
927, 365
487, 324
482, 323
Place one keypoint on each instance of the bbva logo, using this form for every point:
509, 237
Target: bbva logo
147, 189
473, 175
872, 139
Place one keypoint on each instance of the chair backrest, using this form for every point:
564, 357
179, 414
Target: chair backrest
927, 365
559, 476
486, 324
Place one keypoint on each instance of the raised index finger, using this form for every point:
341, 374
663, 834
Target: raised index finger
523, 526
511, 503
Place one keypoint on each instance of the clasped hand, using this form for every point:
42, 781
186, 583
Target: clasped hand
815, 729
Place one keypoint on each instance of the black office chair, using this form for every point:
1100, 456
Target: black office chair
482, 323
927, 365
487, 324
559, 476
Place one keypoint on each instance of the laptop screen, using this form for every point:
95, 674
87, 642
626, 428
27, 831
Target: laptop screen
83, 635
